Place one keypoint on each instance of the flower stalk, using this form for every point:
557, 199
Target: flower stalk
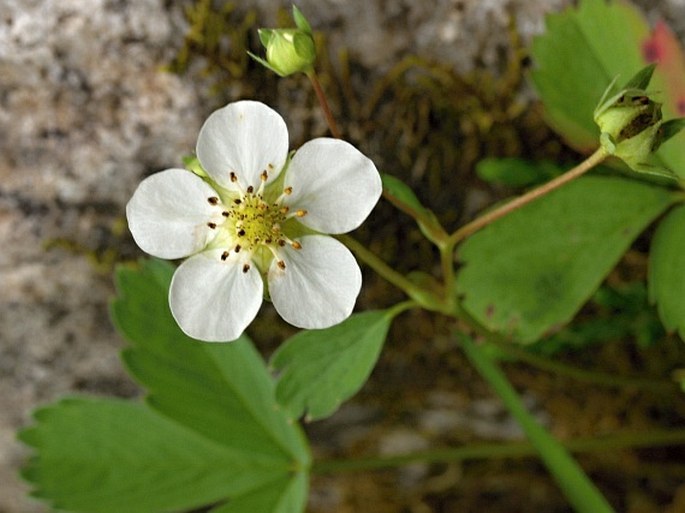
493, 215
580, 491
509, 450
325, 108
423, 297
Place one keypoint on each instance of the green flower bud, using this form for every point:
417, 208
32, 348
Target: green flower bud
290, 50
629, 121
631, 124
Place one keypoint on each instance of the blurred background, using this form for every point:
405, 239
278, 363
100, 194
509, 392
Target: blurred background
97, 94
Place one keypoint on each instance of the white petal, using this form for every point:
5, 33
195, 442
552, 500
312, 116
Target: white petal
214, 300
169, 212
319, 285
246, 138
335, 183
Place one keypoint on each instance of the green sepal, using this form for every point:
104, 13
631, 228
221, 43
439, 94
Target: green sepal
300, 21
402, 197
265, 64
192, 163
670, 128
265, 36
642, 78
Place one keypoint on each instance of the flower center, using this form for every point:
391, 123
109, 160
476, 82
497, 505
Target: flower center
255, 221
252, 224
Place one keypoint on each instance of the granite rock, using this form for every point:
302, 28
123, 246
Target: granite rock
84, 113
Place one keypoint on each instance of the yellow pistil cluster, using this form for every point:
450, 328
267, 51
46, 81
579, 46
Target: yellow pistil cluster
251, 222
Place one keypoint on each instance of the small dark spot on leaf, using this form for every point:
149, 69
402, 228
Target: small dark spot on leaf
680, 106
651, 51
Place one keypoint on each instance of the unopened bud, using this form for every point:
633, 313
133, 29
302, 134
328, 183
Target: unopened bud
630, 122
290, 50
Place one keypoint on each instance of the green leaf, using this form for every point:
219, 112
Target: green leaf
283, 496
531, 271
667, 271
221, 392
582, 51
319, 369
618, 313
109, 456
515, 172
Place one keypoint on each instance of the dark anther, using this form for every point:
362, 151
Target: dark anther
224, 255
241, 233
246, 268
225, 213
213, 200
237, 248
211, 225
233, 176
250, 189
281, 264
237, 201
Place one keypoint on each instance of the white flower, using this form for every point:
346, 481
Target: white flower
257, 214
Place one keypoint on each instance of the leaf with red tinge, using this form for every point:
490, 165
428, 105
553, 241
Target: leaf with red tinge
663, 48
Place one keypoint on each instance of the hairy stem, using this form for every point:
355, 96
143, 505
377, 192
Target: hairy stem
664, 438
597, 378
578, 488
422, 296
493, 215
447, 263
321, 96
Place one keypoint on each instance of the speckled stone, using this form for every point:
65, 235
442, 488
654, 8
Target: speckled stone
84, 113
